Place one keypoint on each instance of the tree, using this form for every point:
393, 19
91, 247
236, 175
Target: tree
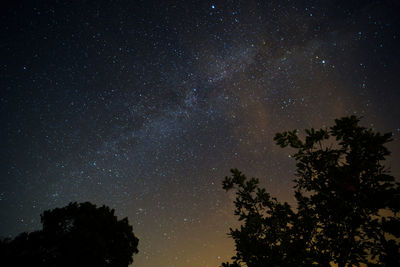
347, 204
75, 235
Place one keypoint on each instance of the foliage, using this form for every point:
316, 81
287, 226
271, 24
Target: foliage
347, 204
75, 235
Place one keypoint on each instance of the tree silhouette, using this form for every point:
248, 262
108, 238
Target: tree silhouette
347, 204
75, 235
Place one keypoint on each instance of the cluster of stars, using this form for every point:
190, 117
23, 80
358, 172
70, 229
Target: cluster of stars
146, 106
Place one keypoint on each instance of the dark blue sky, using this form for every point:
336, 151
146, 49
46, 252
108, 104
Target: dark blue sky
145, 106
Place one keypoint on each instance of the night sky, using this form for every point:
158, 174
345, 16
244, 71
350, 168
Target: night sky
144, 106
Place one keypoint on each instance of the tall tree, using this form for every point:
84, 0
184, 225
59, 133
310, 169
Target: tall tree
347, 204
75, 235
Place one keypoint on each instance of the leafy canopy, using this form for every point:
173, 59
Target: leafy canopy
75, 235
347, 204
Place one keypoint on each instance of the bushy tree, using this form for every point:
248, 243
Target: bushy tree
75, 235
347, 204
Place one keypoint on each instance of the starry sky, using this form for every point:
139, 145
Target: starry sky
144, 106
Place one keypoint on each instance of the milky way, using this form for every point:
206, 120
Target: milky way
145, 106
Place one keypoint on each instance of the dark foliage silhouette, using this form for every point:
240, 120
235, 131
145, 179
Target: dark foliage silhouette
75, 235
347, 204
